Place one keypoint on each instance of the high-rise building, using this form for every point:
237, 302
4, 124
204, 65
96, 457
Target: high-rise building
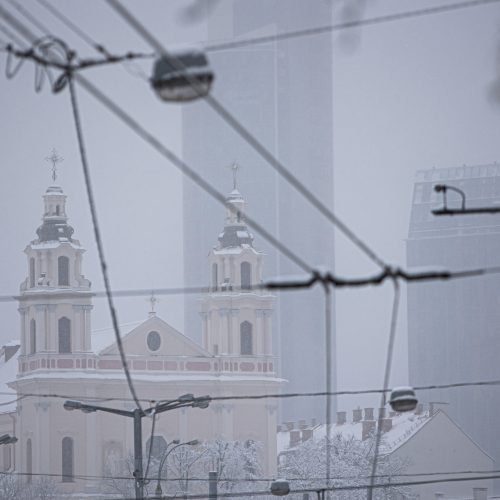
282, 93
453, 326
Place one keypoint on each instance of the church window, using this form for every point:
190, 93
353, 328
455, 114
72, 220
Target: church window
7, 457
57, 210
29, 461
67, 456
154, 341
32, 336
246, 275
214, 277
32, 272
64, 330
157, 447
246, 340
63, 271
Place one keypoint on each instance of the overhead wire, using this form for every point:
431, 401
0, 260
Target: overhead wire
98, 239
237, 126
327, 391
356, 23
16, 24
387, 375
286, 395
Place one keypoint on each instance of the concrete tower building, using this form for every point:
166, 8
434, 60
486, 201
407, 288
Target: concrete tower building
282, 93
453, 327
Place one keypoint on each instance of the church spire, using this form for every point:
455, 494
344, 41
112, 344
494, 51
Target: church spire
235, 232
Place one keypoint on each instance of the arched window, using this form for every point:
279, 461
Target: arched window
32, 272
214, 277
57, 210
63, 271
29, 461
32, 336
246, 275
7, 457
64, 330
158, 448
67, 456
246, 340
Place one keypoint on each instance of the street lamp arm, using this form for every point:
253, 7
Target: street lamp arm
76, 405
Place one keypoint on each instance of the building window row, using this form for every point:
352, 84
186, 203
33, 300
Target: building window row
245, 274
64, 336
67, 460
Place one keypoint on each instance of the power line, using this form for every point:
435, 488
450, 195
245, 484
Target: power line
98, 239
340, 488
387, 375
73, 27
454, 385
27, 34
251, 139
400, 16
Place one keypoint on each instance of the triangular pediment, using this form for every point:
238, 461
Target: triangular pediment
155, 337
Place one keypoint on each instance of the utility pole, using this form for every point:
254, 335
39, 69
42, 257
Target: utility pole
212, 485
137, 415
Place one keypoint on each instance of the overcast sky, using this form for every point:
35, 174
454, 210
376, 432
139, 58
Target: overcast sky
407, 95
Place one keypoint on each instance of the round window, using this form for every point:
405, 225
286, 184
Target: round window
154, 341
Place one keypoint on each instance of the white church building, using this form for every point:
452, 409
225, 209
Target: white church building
59, 359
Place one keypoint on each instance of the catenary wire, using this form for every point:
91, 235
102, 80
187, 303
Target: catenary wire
410, 277
98, 239
73, 27
399, 16
30, 17
336, 488
83, 397
387, 375
16, 24
185, 169
258, 480
251, 139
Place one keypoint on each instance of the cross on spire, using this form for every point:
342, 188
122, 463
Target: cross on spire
152, 300
235, 167
55, 159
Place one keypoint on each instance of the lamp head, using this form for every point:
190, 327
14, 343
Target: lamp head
202, 402
403, 399
194, 442
72, 405
185, 398
439, 188
280, 487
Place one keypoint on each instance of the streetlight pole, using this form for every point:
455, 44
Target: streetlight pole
187, 400
194, 442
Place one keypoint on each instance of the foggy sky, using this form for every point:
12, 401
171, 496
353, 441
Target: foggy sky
407, 95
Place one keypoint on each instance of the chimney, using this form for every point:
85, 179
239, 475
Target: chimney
357, 415
381, 413
341, 417
385, 424
294, 438
432, 409
306, 434
289, 426
479, 493
302, 424
420, 409
368, 429
368, 413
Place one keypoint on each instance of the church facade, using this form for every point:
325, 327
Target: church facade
59, 359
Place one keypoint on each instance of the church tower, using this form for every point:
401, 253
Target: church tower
236, 314
55, 298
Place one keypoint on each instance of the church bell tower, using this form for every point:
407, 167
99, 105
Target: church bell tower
236, 313
55, 298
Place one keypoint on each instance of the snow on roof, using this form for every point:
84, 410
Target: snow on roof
104, 337
404, 426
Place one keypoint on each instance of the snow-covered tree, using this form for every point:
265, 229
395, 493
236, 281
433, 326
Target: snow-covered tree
350, 465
